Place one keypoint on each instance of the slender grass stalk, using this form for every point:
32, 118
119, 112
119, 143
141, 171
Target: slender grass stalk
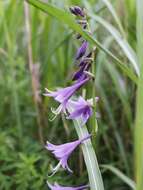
120, 175
10, 56
124, 45
36, 97
94, 122
115, 16
139, 103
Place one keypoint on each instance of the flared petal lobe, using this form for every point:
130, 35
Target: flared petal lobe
58, 187
81, 108
63, 152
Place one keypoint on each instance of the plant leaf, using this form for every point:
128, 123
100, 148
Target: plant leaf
122, 176
129, 52
115, 16
139, 101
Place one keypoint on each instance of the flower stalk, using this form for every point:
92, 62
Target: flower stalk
94, 121
94, 174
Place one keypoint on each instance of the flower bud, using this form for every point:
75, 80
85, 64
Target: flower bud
78, 11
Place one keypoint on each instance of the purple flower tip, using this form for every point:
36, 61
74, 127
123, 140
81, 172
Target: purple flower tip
58, 187
78, 11
63, 151
82, 50
81, 109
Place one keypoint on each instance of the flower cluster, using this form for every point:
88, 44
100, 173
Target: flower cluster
80, 107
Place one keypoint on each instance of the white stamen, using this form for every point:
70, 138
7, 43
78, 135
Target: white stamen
58, 110
89, 74
55, 169
53, 118
47, 90
88, 59
82, 21
90, 101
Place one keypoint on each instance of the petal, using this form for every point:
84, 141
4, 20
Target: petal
80, 102
64, 94
86, 115
50, 146
78, 74
66, 149
81, 51
65, 164
80, 109
76, 113
59, 187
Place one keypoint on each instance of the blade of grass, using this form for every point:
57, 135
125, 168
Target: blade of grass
11, 60
129, 52
119, 174
139, 102
102, 64
115, 16
70, 21
120, 89
36, 97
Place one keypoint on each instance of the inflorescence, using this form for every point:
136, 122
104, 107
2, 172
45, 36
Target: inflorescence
81, 108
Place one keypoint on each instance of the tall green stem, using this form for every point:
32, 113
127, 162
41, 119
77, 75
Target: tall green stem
11, 61
139, 103
94, 122
95, 178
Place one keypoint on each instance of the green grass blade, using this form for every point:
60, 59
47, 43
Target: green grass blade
95, 178
129, 52
14, 90
115, 16
121, 94
139, 103
70, 21
119, 174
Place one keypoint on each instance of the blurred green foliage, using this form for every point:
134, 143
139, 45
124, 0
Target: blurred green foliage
24, 162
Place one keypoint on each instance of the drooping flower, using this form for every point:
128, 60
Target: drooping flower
82, 50
58, 187
80, 74
63, 151
78, 11
80, 109
63, 95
